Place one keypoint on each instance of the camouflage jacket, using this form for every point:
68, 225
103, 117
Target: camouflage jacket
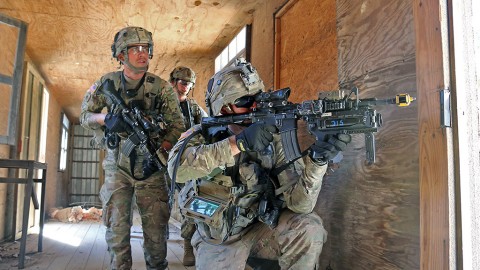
158, 97
195, 113
199, 160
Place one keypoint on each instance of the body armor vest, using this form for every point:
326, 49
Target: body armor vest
228, 201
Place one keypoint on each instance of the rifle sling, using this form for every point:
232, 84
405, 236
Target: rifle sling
280, 169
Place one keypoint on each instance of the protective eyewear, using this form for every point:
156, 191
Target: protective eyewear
244, 102
185, 83
136, 49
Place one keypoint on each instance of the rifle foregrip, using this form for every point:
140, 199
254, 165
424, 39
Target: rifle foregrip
370, 147
290, 144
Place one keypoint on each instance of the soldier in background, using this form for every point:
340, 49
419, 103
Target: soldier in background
249, 200
183, 80
133, 47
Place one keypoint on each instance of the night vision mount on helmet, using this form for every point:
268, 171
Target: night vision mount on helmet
232, 83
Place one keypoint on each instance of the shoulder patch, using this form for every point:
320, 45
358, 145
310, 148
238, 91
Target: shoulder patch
150, 79
92, 88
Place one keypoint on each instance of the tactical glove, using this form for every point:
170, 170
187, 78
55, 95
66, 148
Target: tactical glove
323, 151
149, 167
256, 137
115, 123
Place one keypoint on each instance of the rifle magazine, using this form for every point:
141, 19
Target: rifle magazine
290, 144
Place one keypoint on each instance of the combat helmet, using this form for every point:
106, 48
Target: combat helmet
232, 83
183, 73
131, 35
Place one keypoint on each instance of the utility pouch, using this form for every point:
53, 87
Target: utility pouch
213, 208
204, 201
205, 210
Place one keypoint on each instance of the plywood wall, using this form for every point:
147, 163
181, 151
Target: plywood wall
301, 29
370, 212
263, 36
8, 37
56, 187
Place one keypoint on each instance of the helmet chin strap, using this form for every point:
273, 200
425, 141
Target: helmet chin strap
130, 66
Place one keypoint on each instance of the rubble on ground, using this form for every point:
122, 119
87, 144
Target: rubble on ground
75, 214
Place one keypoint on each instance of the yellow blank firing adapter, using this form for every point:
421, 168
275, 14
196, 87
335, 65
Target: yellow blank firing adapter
404, 100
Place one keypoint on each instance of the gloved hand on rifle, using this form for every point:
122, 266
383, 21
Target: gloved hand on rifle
149, 167
323, 151
256, 137
115, 123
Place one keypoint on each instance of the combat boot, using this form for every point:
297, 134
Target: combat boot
188, 256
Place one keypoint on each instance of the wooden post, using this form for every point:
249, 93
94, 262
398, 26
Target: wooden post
433, 159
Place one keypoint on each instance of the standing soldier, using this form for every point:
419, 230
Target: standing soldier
133, 177
248, 198
183, 80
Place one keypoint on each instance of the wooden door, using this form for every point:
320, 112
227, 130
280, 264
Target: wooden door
34, 104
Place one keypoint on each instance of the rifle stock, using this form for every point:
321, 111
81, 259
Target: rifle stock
323, 116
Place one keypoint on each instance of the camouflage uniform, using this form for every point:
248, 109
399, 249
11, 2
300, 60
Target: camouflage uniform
297, 240
234, 228
120, 189
194, 114
191, 117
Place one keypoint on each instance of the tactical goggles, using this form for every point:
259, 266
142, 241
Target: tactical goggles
185, 83
136, 49
244, 102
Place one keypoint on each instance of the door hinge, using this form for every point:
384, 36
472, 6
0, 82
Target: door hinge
445, 109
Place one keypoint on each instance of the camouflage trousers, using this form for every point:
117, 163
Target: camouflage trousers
118, 194
296, 242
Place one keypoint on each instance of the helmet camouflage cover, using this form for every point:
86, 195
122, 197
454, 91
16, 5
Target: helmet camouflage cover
230, 84
183, 73
131, 35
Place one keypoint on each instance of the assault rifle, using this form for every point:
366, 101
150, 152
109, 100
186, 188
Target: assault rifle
138, 127
323, 116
